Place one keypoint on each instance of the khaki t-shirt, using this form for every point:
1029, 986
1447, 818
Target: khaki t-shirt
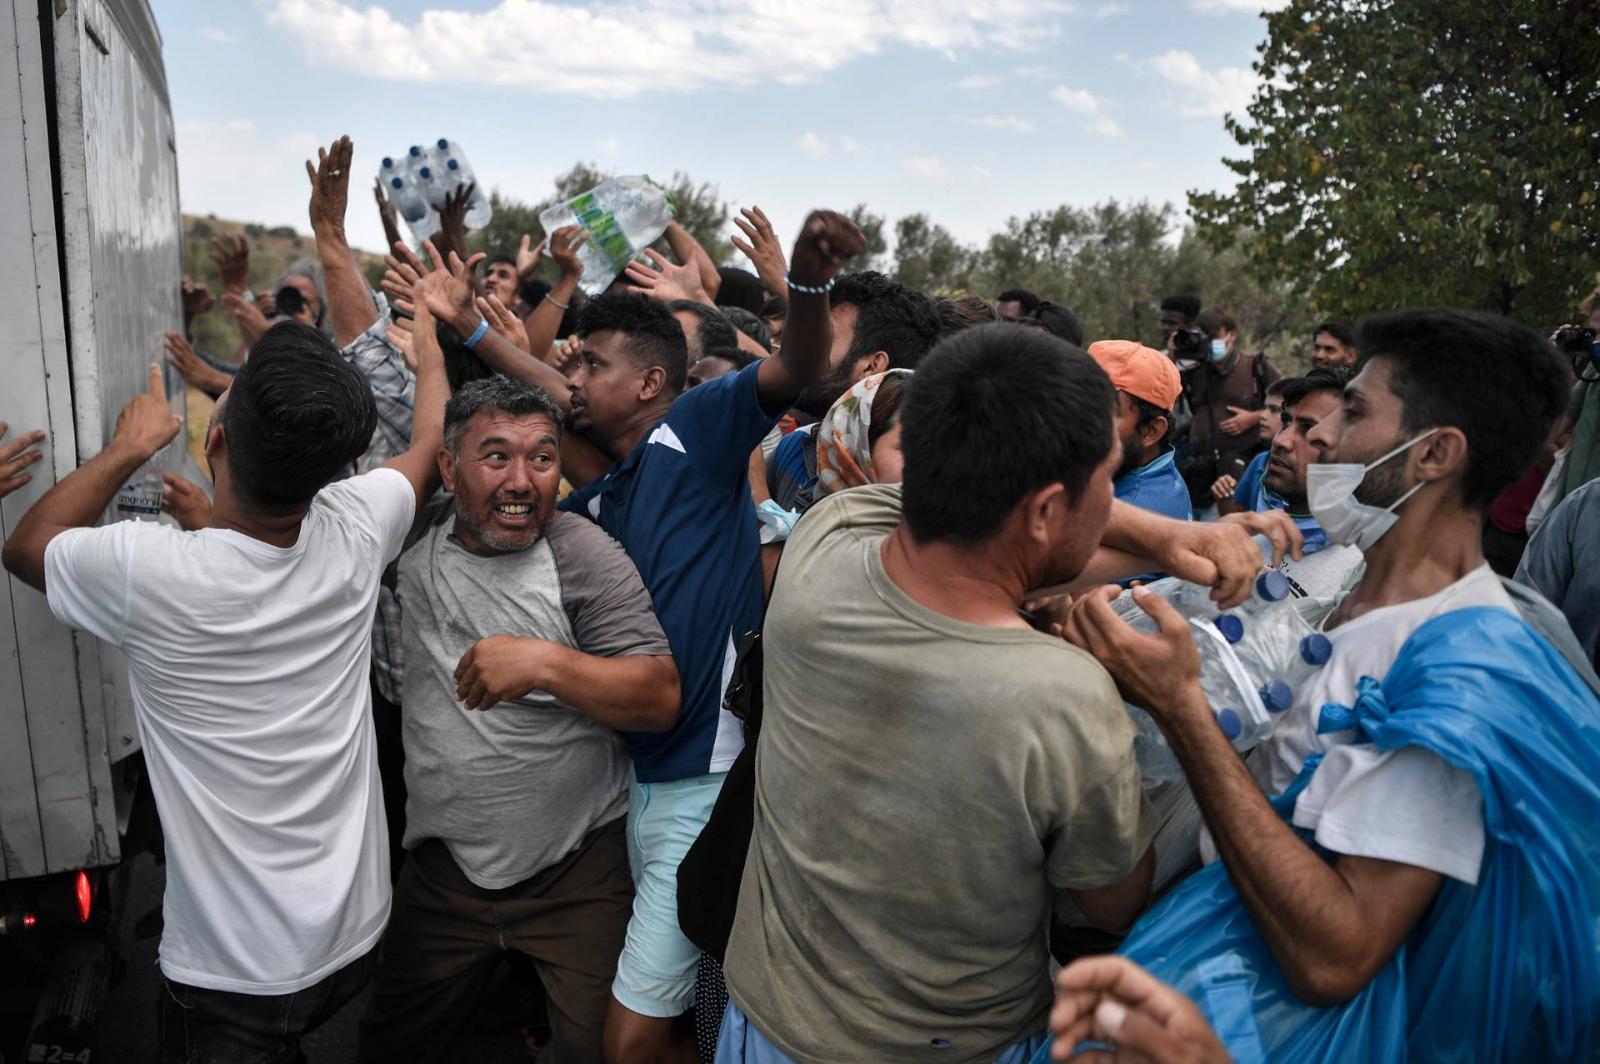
921, 786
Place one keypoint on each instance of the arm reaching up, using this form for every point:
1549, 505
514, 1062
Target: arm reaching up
420, 463
690, 253
351, 310
545, 321
387, 214
762, 248
826, 242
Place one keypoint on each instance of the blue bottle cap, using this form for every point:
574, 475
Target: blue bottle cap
1277, 696
452, 165
1272, 586
444, 144
388, 163
425, 173
416, 151
396, 182
1231, 627
1316, 649
1230, 724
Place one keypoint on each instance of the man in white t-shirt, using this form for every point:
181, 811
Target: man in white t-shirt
1450, 407
248, 645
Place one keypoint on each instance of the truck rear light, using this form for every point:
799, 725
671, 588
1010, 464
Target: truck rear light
85, 892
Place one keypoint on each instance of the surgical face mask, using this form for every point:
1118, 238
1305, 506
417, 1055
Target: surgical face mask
1219, 350
1331, 490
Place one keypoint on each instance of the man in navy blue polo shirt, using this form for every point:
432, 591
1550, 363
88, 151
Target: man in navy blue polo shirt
678, 500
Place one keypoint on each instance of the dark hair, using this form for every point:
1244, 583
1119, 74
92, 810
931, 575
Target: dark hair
749, 323
297, 415
962, 312
886, 407
1188, 306
776, 307
1294, 389
1058, 321
461, 363
1020, 296
1216, 320
1341, 331
1148, 412
654, 336
890, 317
717, 333
500, 394
1500, 383
740, 288
1277, 386
996, 412
507, 259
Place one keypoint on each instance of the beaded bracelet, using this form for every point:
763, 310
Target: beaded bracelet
809, 289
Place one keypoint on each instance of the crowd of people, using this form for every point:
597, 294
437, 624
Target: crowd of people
734, 653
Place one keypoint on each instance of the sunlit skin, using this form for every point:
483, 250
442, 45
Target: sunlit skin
1285, 474
1362, 427
611, 394
505, 479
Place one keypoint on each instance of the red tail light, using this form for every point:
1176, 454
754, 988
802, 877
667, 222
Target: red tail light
28, 921
85, 897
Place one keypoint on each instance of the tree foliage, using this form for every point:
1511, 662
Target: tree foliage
1417, 152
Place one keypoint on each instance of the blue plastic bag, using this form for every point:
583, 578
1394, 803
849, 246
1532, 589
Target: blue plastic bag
1506, 970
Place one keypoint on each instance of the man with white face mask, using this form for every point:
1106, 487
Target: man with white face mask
1449, 408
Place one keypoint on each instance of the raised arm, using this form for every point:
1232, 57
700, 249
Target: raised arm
545, 321
689, 252
826, 242
762, 248
420, 462
145, 426
351, 310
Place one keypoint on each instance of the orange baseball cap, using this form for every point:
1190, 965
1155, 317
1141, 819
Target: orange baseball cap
1142, 372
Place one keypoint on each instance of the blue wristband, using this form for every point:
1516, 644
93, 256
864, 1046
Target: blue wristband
477, 334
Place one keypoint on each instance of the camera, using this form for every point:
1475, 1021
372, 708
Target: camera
291, 301
1191, 344
1574, 339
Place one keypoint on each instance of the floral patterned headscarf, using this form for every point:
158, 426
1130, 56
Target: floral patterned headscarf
847, 428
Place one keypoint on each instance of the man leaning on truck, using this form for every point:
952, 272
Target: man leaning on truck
248, 646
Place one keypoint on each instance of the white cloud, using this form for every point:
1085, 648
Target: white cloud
619, 48
812, 144
1011, 122
1203, 91
218, 36
982, 171
1035, 73
1249, 7
925, 166
848, 143
977, 83
1091, 107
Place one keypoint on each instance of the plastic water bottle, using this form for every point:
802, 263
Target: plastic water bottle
1270, 588
421, 220
624, 215
1308, 657
457, 173
140, 497
432, 191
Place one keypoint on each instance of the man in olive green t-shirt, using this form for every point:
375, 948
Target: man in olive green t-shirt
931, 768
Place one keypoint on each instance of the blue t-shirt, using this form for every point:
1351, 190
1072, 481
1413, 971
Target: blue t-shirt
1253, 495
679, 504
1158, 487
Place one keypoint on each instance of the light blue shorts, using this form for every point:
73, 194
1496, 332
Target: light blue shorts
655, 974
740, 1043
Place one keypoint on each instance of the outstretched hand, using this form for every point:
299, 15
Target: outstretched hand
194, 369
503, 321
184, 500
147, 423
1111, 999
15, 458
232, 257
247, 316
1159, 672
826, 242
564, 245
447, 286
659, 279
330, 185
528, 256
762, 248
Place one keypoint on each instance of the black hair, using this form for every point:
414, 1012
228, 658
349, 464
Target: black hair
1020, 296
1277, 386
962, 312
1148, 412
500, 394
716, 332
461, 363
297, 415
1500, 383
1216, 320
1187, 305
1333, 379
654, 336
507, 259
996, 412
740, 288
1341, 331
886, 402
890, 317
750, 323
776, 307
1058, 321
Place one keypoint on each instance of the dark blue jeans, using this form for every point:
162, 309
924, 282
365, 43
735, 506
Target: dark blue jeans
200, 1026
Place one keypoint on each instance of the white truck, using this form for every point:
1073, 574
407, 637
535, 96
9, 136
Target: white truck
91, 234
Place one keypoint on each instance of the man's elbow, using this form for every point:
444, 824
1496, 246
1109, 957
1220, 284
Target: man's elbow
11, 556
22, 561
1323, 981
665, 703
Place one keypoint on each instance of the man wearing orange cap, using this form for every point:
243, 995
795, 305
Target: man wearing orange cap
1147, 386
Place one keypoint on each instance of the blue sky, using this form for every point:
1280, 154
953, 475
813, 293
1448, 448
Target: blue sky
970, 111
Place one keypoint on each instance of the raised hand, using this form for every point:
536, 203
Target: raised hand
196, 299
503, 321
184, 500
762, 248
400, 279
447, 288
330, 185
232, 256
1223, 487
1242, 421
399, 335
826, 242
247, 316
659, 279
147, 423
194, 369
453, 220
15, 458
267, 303
564, 245
566, 354
529, 255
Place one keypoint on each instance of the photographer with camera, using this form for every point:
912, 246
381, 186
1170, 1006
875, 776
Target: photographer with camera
1226, 392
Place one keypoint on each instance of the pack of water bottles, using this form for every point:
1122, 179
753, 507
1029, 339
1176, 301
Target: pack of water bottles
623, 216
1254, 659
421, 181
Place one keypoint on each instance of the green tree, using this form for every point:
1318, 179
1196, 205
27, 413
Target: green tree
929, 258
874, 255
1413, 152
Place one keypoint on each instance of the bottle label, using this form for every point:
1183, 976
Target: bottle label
139, 498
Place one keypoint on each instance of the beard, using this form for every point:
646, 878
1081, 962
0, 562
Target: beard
506, 541
1383, 485
820, 395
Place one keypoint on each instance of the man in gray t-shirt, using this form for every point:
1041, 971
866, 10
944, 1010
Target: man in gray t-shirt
529, 640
